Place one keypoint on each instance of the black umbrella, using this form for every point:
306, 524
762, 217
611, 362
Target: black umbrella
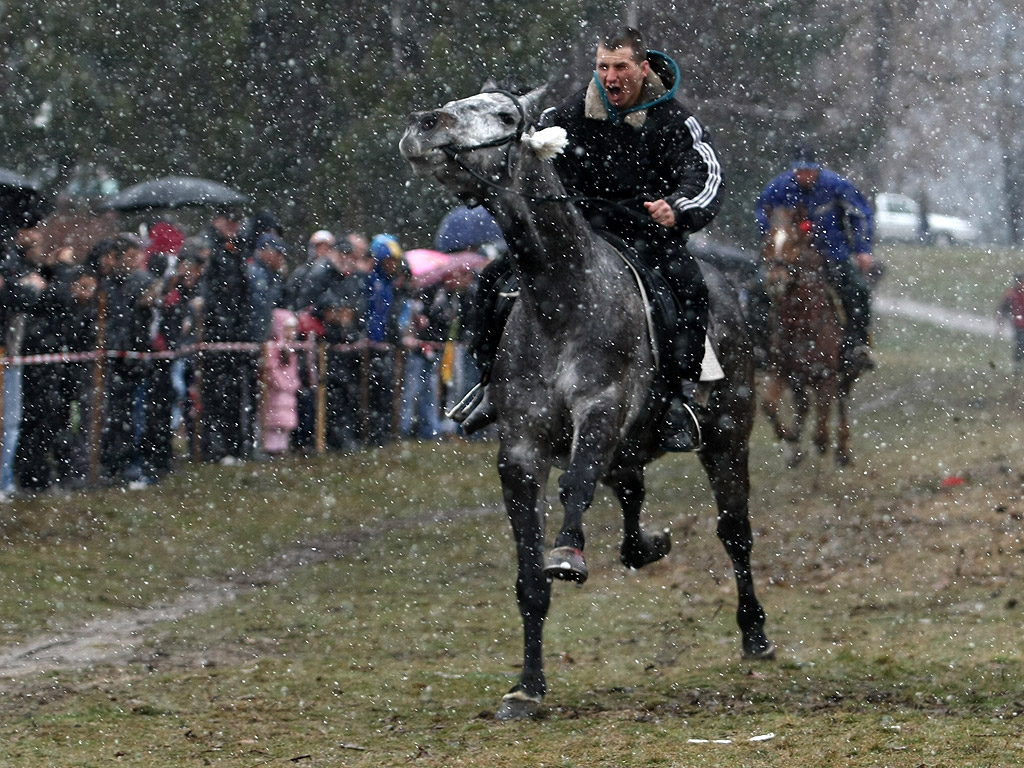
21, 202
173, 192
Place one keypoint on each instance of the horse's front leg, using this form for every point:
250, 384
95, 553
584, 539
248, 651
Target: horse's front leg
823, 399
524, 472
596, 433
638, 547
771, 403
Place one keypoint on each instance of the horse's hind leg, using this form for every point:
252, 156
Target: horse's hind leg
728, 473
638, 548
843, 457
801, 406
522, 485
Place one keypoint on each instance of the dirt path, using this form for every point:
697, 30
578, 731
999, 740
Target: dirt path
976, 325
119, 636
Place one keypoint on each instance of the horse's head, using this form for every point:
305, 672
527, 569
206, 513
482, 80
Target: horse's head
790, 236
468, 143
789, 248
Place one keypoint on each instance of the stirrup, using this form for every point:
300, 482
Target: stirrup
467, 404
695, 440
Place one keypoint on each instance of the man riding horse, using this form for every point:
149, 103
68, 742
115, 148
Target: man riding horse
841, 223
642, 169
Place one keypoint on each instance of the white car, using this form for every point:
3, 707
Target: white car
898, 217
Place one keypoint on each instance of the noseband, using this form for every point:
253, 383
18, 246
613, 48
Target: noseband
453, 150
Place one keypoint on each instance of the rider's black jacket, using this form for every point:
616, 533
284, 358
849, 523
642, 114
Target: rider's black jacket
658, 149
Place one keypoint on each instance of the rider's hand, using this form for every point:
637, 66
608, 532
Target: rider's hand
864, 261
661, 212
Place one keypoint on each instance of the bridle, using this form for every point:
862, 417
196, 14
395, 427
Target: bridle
453, 150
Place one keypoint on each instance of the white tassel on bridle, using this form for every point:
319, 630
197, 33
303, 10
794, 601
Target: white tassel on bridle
547, 142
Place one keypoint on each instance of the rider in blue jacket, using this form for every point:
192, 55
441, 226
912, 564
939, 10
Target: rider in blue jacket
842, 223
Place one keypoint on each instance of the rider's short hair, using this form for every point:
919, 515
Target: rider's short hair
624, 36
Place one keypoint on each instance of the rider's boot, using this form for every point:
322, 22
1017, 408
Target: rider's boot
682, 433
483, 415
857, 356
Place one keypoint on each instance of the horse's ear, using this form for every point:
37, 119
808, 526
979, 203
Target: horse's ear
532, 102
489, 84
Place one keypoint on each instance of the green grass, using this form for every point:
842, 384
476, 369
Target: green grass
372, 620
968, 280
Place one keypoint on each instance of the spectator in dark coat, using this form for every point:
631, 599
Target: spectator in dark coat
432, 314
300, 296
79, 381
267, 271
341, 309
45, 409
174, 326
226, 318
18, 289
129, 294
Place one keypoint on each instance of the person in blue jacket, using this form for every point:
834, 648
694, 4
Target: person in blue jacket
842, 223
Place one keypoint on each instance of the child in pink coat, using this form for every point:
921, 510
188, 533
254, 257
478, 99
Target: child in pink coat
282, 383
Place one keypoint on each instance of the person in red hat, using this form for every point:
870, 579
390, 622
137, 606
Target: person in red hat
1011, 309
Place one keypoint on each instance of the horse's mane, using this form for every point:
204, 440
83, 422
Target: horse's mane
510, 84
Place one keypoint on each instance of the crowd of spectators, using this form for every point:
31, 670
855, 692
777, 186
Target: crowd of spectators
226, 346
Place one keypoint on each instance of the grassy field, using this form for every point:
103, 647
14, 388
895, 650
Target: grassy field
358, 610
969, 280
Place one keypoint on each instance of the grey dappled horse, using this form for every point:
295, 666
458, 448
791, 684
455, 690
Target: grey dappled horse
575, 366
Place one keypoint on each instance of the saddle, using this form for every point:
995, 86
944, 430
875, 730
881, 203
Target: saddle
662, 309
498, 290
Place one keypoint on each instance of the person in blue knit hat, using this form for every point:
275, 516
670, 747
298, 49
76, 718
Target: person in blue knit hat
386, 290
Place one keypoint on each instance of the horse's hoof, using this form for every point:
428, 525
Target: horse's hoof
763, 650
567, 564
518, 706
650, 550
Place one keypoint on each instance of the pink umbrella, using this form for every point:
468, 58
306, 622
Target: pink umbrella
423, 260
429, 267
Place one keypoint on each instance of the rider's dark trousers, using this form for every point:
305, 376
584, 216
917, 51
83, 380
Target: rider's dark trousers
487, 312
856, 298
683, 345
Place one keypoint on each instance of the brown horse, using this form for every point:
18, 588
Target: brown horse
806, 345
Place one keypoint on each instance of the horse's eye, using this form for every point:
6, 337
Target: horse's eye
508, 119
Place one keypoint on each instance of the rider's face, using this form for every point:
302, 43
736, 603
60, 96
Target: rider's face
806, 177
621, 76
